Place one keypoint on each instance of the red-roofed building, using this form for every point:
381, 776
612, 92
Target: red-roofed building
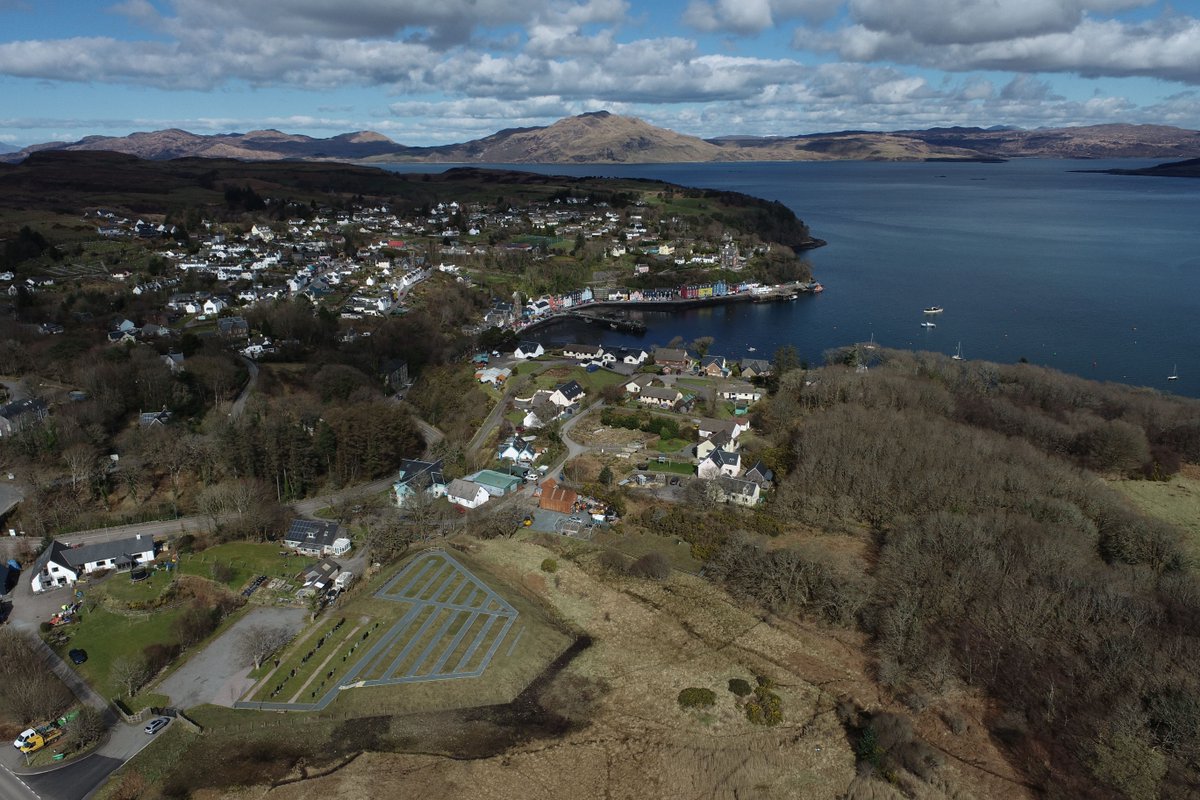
557, 498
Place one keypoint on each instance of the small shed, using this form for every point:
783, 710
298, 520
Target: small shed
557, 498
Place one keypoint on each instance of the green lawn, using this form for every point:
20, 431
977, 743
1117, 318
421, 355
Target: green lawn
1176, 501
592, 382
121, 589
675, 467
107, 636
246, 559
671, 445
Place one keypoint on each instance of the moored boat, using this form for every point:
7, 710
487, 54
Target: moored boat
934, 310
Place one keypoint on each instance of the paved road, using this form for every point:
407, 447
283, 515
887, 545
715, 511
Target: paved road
239, 405
216, 674
13, 787
574, 448
493, 418
77, 780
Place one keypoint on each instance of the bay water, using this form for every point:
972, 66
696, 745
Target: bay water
1093, 274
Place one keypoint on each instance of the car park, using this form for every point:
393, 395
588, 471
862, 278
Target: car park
77, 656
155, 725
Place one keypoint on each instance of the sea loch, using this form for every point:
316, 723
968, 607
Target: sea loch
1098, 275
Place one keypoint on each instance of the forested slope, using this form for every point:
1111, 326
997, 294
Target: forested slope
999, 558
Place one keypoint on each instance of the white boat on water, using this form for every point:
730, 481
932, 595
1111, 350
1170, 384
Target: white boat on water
871, 344
928, 324
1174, 376
934, 310
958, 353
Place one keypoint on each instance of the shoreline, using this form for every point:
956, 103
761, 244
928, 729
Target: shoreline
781, 293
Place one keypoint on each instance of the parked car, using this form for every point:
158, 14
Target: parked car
77, 656
155, 725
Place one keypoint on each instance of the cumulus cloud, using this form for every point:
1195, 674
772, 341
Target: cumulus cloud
1028, 37
752, 16
942, 22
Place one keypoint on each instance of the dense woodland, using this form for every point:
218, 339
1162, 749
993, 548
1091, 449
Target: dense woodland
318, 418
998, 559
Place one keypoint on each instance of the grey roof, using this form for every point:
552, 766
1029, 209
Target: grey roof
122, 550
19, 408
464, 489
324, 569
571, 390
311, 533
760, 473
662, 354
661, 393
721, 457
736, 486
759, 365
412, 469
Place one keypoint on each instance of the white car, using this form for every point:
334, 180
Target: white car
155, 725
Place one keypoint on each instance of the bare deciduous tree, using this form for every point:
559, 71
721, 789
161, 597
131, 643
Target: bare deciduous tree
130, 673
260, 642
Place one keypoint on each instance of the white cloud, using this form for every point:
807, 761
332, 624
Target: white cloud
748, 17
1032, 37
942, 22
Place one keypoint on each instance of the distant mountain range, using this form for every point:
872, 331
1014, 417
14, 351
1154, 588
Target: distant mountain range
8, 148
604, 138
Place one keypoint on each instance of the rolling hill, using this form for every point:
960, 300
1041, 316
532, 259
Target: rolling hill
604, 138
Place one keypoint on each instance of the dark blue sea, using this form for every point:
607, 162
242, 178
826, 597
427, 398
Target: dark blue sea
1098, 275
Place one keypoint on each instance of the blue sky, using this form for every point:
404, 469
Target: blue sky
438, 71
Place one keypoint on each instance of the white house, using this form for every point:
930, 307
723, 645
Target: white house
567, 394
416, 474
660, 396
741, 393
60, 565
214, 305
640, 382
466, 493
739, 492
720, 462
721, 440
529, 350
735, 427
583, 352
315, 538
516, 450
635, 357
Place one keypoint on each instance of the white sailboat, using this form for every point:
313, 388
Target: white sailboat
958, 353
1174, 376
871, 344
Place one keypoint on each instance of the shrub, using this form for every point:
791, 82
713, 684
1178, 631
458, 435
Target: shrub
652, 565
739, 687
613, 561
159, 656
222, 572
695, 697
549, 565
764, 707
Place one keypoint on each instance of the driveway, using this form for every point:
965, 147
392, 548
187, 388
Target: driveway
217, 674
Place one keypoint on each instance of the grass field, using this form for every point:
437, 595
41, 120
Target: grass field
126, 592
1176, 501
324, 669
592, 382
246, 560
107, 636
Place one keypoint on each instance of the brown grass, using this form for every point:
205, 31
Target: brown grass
632, 740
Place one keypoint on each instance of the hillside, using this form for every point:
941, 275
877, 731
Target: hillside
54, 182
1176, 169
601, 137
